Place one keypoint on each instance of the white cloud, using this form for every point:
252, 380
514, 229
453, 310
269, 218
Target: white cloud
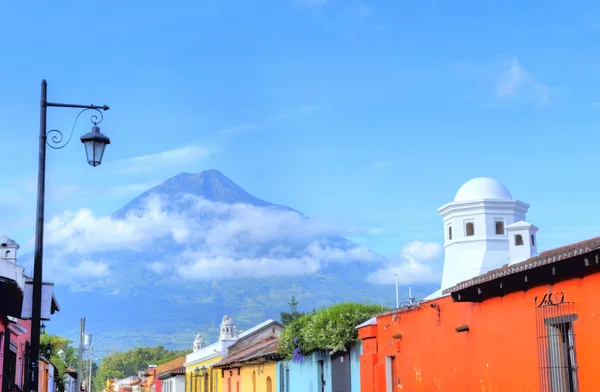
171, 158
375, 231
76, 272
207, 268
415, 263
158, 267
516, 83
239, 239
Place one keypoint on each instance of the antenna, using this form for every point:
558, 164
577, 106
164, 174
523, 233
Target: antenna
410, 297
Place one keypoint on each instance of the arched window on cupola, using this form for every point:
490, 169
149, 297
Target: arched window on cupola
518, 240
449, 232
470, 229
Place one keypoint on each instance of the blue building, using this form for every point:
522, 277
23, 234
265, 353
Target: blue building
321, 372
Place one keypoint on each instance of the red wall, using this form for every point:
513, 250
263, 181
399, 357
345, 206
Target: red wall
20, 342
498, 354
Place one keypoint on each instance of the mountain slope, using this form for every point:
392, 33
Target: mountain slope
211, 185
203, 247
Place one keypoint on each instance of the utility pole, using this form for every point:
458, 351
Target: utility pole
89, 386
80, 356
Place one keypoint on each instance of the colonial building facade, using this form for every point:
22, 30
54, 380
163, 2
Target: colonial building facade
201, 375
15, 327
505, 319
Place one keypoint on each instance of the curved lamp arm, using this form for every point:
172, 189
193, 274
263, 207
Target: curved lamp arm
56, 139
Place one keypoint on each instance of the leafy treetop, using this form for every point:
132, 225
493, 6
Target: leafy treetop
59, 352
129, 363
287, 318
332, 328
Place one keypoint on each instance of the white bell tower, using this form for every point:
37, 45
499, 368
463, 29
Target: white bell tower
198, 343
476, 238
8, 249
228, 330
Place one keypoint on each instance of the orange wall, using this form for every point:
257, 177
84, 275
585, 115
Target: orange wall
235, 378
498, 354
43, 370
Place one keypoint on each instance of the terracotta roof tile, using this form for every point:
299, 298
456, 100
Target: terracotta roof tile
175, 363
547, 257
259, 350
170, 373
402, 309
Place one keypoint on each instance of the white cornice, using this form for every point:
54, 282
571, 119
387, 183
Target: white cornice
201, 359
482, 205
522, 225
498, 238
17, 329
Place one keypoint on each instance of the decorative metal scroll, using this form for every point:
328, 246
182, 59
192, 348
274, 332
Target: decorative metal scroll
550, 299
56, 141
436, 306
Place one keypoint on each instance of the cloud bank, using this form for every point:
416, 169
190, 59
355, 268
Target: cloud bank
417, 262
198, 240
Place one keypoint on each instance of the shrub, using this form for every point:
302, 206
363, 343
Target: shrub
332, 328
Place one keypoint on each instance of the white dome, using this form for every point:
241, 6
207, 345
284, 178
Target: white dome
482, 188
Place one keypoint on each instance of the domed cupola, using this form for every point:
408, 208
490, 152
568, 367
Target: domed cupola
475, 229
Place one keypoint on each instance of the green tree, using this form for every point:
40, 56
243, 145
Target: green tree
332, 328
288, 318
129, 363
59, 352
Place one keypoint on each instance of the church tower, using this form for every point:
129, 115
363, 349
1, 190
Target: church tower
8, 249
198, 343
476, 230
228, 330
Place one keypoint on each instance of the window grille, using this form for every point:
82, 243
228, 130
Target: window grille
556, 344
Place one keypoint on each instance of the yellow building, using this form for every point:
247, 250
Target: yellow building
258, 377
199, 374
203, 376
252, 369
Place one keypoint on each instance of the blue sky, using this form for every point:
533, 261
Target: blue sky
367, 113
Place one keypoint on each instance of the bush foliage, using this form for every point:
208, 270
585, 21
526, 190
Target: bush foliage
332, 328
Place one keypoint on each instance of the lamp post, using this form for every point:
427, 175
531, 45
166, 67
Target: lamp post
203, 373
397, 298
197, 372
94, 142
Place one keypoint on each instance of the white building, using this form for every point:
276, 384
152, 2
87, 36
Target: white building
173, 380
123, 382
14, 284
71, 380
484, 229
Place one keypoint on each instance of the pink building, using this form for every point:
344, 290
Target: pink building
14, 331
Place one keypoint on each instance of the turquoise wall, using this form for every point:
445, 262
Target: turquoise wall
304, 376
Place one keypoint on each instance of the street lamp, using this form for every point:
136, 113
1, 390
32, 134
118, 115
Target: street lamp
197, 378
397, 298
94, 142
